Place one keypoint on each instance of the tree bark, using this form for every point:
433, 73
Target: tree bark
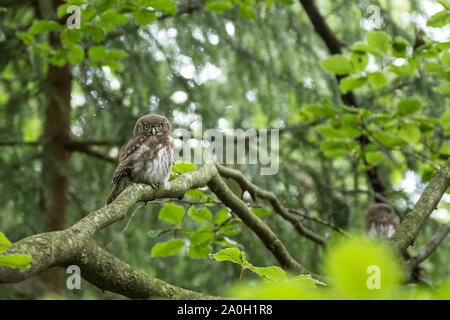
56, 158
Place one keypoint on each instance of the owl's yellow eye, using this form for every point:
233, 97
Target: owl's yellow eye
159, 126
146, 127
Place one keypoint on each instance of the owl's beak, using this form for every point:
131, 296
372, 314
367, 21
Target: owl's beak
153, 131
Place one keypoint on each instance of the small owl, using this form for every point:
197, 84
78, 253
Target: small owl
380, 221
147, 157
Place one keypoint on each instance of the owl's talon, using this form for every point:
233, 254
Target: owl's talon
155, 186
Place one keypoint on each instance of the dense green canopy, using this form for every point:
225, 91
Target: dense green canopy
358, 90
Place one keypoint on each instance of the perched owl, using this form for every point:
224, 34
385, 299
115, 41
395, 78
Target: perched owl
147, 157
380, 221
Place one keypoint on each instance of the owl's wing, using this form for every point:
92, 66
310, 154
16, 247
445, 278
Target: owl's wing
126, 158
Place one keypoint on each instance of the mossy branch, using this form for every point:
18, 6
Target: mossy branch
416, 218
76, 244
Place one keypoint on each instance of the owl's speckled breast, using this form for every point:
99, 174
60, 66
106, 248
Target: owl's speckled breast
148, 169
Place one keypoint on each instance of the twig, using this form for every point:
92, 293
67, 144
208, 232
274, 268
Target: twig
140, 205
431, 246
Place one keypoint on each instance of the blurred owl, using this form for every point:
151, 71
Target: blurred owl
380, 221
147, 157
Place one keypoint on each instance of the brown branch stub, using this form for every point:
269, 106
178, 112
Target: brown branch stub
415, 219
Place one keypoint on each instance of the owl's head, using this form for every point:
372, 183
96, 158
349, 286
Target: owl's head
152, 125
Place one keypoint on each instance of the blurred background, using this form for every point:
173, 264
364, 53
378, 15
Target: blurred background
249, 64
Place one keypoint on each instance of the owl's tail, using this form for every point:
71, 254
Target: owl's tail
114, 193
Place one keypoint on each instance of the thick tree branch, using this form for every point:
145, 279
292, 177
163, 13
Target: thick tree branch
76, 245
107, 272
415, 219
270, 240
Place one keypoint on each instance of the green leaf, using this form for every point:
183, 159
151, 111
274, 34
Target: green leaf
97, 53
31, 129
410, 132
75, 54
113, 17
41, 26
399, 47
196, 194
167, 6
59, 58
306, 281
403, 70
218, 6
379, 40
390, 140
433, 67
221, 216
231, 254
144, 16
444, 89
198, 251
261, 212
172, 213
445, 3
202, 214
445, 58
19, 261
247, 11
181, 167
203, 235
89, 13
320, 110
334, 144
115, 54
374, 157
359, 60
97, 32
271, 273
128, 7
362, 47
408, 107
439, 19
165, 249
4, 242
337, 64
71, 36
158, 232
27, 38
377, 79
349, 83
350, 121
445, 122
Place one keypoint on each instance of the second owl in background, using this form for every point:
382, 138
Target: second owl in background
381, 221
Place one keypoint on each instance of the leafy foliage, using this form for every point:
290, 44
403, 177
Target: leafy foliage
19, 261
242, 64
